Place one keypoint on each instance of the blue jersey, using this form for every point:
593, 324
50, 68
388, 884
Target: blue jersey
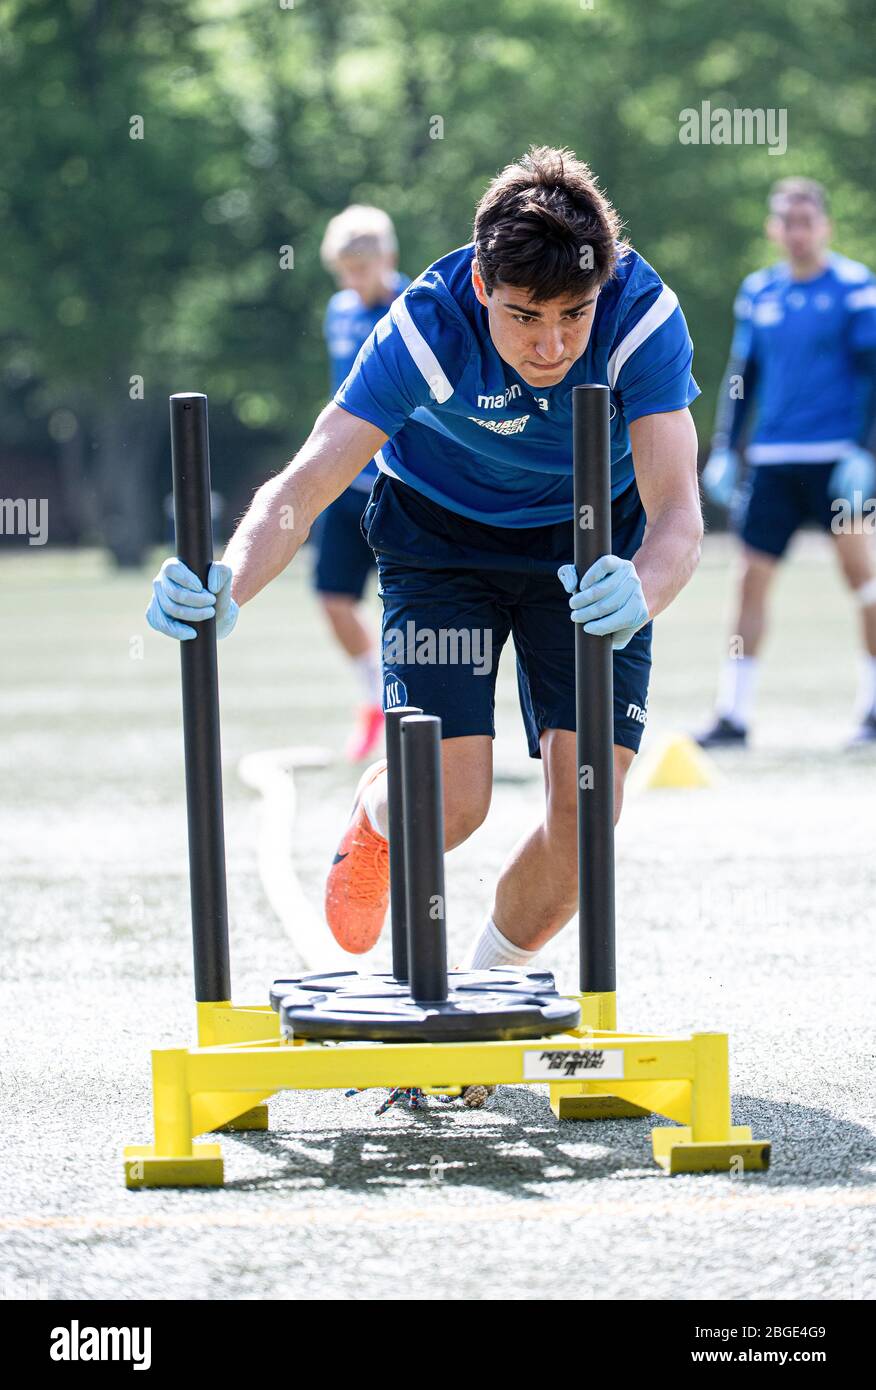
347, 323
468, 432
801, 337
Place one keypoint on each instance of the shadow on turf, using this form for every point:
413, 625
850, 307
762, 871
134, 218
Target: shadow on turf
516, 1145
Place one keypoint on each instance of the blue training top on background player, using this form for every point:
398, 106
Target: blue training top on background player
466, 429
797, 343
803, 365
347, 323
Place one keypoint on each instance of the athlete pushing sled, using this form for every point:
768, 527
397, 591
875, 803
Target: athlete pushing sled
463, 394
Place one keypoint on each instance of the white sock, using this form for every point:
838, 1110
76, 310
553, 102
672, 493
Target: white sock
492, 948
370, 676
374, 801
736, 689
867, 687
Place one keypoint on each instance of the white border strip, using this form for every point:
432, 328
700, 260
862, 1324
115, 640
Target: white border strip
663, 307
421, 352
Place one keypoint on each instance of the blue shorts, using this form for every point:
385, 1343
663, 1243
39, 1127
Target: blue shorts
344, 558
453, 589
777, 499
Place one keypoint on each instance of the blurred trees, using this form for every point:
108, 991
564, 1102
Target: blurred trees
156, 159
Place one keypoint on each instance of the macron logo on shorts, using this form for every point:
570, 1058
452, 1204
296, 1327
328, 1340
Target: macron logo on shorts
636, 712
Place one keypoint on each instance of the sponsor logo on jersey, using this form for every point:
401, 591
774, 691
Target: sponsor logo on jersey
767, 313
515, 426
636, 712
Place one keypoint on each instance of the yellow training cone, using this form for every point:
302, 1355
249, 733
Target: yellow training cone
675, 761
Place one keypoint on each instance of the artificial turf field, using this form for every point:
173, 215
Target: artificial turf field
748, 907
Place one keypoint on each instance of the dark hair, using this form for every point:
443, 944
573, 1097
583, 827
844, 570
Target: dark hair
544, 225
795, 190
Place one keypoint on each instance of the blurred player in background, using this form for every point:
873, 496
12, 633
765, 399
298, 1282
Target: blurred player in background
360, 249
805, 351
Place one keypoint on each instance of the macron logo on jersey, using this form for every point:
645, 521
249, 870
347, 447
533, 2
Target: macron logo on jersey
501, 401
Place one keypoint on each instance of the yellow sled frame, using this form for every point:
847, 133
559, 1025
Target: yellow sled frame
241, 1061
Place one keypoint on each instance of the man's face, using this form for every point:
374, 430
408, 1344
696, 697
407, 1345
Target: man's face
540, 340
366, 273
800, 228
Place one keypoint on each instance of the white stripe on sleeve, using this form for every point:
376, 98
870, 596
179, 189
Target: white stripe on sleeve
862, 299
421, 352
383, 466
826, 452
664, 305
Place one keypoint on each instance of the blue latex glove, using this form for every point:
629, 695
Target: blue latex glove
609, 599
179, 598
721, 476
854, 472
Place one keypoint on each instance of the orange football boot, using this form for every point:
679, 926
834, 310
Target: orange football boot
357, 887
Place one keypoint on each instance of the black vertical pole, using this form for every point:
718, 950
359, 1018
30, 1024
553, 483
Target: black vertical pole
398, 908
591, 448
424, 855
190, 451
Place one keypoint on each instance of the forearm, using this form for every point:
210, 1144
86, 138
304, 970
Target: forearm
668, 555
734, 403
283, 510
268, 536
665, 459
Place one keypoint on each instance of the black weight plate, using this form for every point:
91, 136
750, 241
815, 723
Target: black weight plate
333, 981
536, 982
476, 1015
527, 982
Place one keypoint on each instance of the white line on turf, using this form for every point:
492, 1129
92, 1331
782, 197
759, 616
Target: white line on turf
271, 772
683, 1204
